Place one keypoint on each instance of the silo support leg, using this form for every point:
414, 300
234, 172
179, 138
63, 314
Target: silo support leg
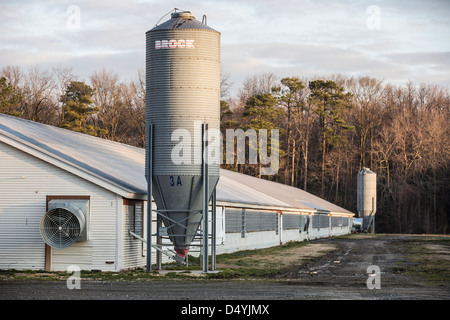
158, 242
149, 195
205, 187
213, 232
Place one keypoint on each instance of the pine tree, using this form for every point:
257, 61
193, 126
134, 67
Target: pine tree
264, 112
289, 94
77, 107
330, 101
9, 99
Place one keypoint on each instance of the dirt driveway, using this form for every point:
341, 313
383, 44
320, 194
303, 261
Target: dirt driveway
384, 267
400, 267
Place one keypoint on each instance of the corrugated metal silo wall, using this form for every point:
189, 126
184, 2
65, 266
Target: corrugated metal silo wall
183, 86
367, 190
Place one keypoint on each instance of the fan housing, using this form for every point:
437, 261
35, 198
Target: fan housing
65, 223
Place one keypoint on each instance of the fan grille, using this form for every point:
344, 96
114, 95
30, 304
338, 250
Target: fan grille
60, 228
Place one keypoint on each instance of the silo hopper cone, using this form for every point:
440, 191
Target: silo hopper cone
183, 193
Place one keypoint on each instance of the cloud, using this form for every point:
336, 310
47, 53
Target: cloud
297, 59
285, 37
424, 67
440, 59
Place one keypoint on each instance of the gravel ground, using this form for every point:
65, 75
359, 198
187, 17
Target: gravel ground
338, 275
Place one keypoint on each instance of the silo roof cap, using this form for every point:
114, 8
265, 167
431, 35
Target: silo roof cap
182, 20
182, 15
366, 171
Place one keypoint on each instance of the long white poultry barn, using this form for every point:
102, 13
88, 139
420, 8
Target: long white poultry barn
43, 167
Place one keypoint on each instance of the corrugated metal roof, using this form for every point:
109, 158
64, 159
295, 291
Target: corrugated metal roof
122, 167
290, 196
119, 164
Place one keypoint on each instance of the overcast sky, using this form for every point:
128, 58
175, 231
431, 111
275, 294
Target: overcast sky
396, 40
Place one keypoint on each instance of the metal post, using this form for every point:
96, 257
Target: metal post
205, 196
373, 212
149, 195
373, 225
213, 232
158, 241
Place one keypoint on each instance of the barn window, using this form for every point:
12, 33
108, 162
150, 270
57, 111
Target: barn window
134, 212
138, 213
233, 220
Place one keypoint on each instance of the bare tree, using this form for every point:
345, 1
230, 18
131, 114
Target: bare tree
38, 98
63, 77
366, 115
225, 85
108, 98
134, 119
257, 84
14, 75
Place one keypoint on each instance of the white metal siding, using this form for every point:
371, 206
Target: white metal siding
25, 181
132, 248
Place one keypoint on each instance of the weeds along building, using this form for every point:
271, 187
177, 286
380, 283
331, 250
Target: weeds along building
45, 169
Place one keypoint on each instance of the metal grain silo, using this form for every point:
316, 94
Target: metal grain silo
366, 196
182, 93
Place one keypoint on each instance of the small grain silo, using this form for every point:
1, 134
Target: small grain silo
182, 97
367, 197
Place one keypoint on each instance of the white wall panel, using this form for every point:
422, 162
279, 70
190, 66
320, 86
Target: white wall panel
25, 181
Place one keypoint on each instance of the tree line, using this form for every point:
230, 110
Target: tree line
329, 127
333, 127
104, 106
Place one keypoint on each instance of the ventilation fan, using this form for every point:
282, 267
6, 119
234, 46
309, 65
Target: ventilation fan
63, 225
